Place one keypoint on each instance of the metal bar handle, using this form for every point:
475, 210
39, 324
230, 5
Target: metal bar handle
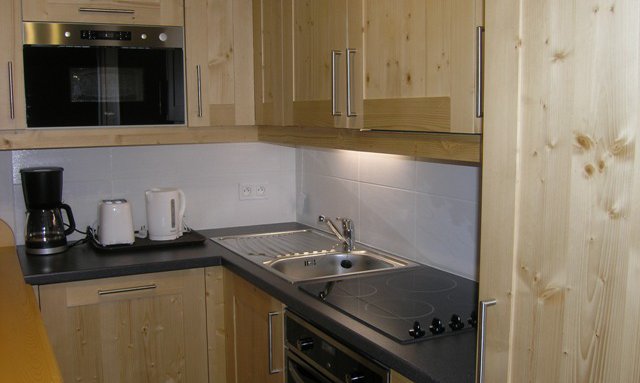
106, 10
199, 87
127, 289
350, 112
12, 113
334, 83
270, 320
479, 71
482, 338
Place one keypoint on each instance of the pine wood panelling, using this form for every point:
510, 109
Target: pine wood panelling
411, 114
150, 335
560, 192
146, 12
216, 333
27, 356
397, 378
11, 53
246, 321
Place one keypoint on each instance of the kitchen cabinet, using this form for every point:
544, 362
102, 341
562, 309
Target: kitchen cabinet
216, 333
254, 332
144, 12
560, 189
141, 328
383, 65
219, 62
12, 112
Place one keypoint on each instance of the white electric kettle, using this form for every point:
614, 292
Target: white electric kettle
165, 210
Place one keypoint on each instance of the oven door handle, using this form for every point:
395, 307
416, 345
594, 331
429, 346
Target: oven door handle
299, 371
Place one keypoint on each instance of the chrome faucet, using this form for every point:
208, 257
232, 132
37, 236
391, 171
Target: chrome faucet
347, 234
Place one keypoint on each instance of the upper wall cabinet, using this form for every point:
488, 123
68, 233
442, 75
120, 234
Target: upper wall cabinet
11, 107
219, 62
382, 65
147, 12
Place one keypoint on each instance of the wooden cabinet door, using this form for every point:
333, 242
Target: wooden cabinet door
219, 62
142, 328
12, 114
317, 33
418, 64
254, 333
145, 12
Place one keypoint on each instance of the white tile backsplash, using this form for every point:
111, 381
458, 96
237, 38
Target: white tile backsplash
424, 211
208, 174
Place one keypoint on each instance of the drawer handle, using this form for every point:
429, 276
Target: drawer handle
106, 10
350, 112
127, 289
482, 338
479, 72
270, 322
334, 85
199, 88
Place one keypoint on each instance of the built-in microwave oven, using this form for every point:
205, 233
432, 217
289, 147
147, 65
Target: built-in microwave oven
79, 75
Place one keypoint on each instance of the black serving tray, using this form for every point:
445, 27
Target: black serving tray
189, 238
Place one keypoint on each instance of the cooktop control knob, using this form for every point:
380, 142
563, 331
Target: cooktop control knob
456, 323
473, 320
436, 326
417, 331
305, 344
355, 377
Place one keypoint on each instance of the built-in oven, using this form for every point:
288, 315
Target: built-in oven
79, 75
313, 356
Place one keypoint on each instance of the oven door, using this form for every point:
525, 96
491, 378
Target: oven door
298, 371
103, 86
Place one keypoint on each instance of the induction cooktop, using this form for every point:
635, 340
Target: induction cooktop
407, 306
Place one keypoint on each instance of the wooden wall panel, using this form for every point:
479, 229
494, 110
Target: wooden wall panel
561, 183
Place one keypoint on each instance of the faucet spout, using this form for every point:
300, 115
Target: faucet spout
346, 237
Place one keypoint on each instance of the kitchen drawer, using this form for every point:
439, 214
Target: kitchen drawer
147, 12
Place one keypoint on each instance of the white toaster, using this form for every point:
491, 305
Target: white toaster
115, 223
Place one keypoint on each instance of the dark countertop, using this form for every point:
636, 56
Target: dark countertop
446, 359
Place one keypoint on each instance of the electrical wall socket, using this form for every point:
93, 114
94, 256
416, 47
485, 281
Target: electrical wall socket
253, 191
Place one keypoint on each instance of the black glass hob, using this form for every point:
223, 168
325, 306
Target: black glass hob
408, 306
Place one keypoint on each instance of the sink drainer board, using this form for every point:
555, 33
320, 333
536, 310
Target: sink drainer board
279, 244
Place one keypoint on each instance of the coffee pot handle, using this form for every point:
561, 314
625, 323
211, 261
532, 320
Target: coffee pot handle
183, 208
72, 222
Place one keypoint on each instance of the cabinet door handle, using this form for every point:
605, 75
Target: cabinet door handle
12, 113
270, 322
199, 87
350, 112
106, 10
482, 338
127, 289
334, 83
479, 71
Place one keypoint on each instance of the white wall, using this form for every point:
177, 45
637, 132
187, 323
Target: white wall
208, 174
424, 211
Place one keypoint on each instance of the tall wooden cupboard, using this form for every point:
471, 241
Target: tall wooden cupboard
561, 191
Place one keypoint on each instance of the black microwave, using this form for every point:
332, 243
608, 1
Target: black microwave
79, 75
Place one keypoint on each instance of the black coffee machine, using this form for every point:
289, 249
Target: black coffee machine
44, 229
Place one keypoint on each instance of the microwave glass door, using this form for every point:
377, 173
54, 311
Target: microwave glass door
103, 86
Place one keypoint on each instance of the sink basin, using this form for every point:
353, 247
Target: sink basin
309, 255
334, 265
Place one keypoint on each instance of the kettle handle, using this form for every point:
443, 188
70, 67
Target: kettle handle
183, 208
72, 222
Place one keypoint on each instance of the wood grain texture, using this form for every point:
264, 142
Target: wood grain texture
11, 53
25, 353
246, 322
216, 332
411, 114
94, 137
433, 146
146, 12
151, 335
396, 377
566, 210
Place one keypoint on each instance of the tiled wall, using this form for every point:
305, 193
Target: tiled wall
424, 211
208, 174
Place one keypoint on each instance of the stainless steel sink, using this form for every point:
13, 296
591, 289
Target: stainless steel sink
334, 265
310, 255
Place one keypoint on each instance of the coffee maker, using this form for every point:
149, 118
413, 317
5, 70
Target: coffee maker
44, 228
